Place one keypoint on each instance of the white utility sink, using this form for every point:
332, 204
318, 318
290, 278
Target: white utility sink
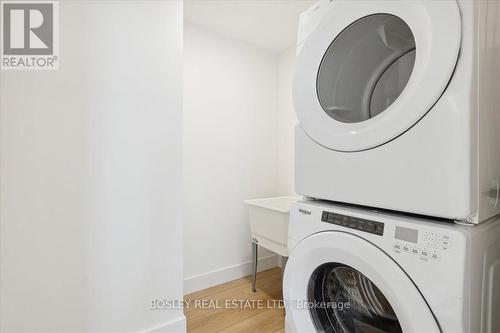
269, 227
269, 222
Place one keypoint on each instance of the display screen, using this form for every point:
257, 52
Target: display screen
405, 234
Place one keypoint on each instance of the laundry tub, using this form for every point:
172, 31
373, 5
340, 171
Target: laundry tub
269, 226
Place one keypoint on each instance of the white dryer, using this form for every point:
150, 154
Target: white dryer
355, 270
398, 105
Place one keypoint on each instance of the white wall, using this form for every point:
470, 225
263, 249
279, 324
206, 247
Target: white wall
286, 122
230, 152
91, 174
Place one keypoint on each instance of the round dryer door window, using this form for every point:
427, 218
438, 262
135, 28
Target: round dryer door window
366, 68
372, 69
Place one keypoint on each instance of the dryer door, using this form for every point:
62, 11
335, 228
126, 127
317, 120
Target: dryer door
339, 282
372, 69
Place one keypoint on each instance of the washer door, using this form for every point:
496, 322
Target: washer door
372, 69
340, 283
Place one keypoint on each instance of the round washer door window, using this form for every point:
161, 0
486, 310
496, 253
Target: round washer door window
366, 68
323, 274
357, 305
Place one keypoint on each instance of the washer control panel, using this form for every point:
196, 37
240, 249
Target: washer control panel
425, 245
372, 227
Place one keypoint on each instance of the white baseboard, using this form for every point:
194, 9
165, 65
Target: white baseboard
175, 326
226, 274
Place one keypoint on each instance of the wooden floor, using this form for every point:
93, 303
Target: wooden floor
233, 307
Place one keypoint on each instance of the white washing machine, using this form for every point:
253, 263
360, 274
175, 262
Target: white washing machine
357, 270
398, 105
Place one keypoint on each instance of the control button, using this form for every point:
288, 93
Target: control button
424, 253
435, 256
397, 248
406, 249
414, 251
324, 216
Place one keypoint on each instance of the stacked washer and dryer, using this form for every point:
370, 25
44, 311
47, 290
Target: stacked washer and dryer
398, 154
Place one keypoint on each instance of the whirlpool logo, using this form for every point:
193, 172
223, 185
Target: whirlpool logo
29, 35
304, 211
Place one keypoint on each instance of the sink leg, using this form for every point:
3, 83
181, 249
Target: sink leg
254, 264
283, 265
